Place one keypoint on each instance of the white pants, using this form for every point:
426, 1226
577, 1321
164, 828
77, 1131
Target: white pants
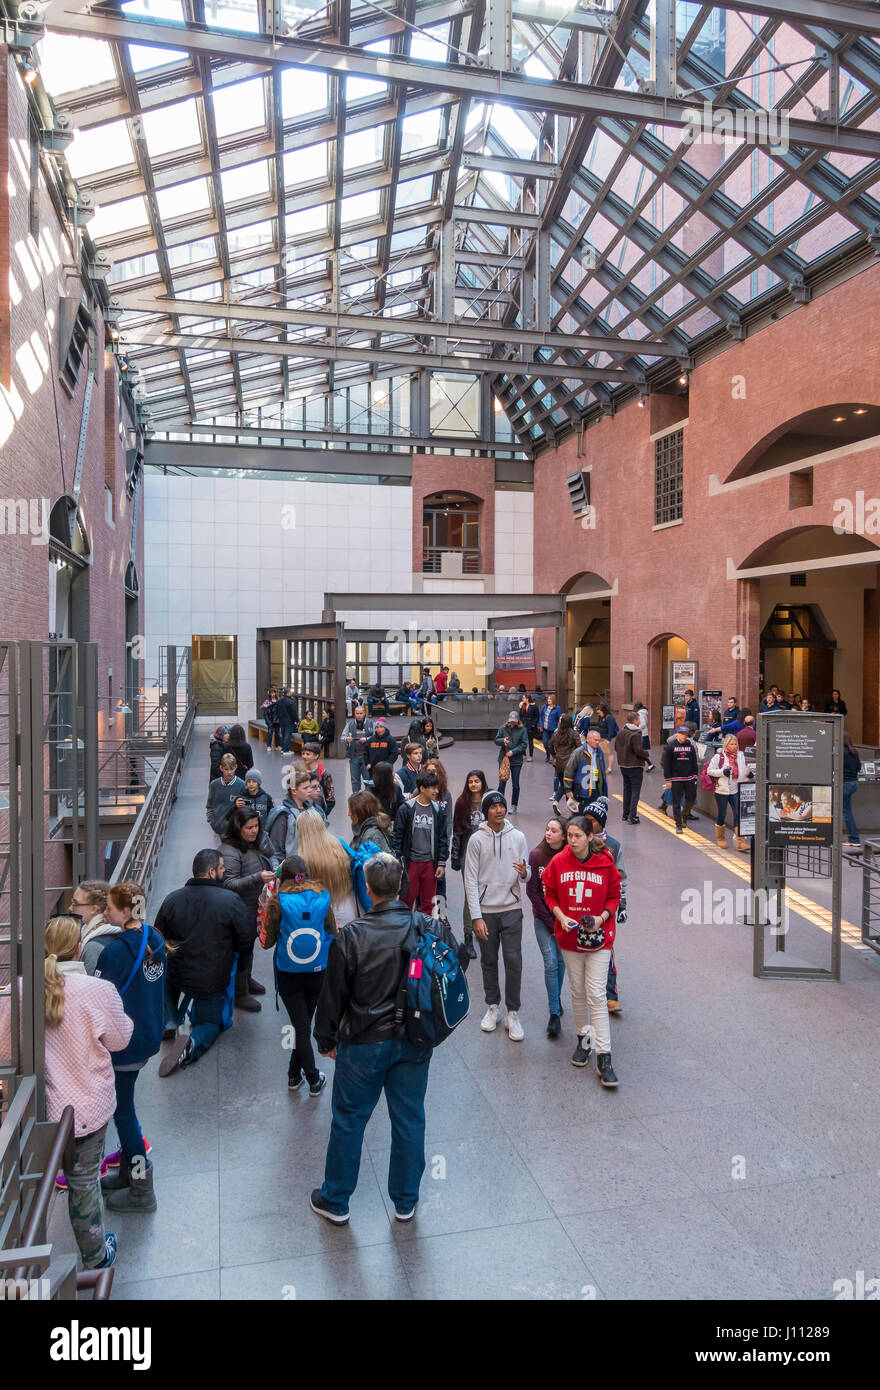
587, 978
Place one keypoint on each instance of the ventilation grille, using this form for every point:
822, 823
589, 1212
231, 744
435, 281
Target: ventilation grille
798, 581
578, 485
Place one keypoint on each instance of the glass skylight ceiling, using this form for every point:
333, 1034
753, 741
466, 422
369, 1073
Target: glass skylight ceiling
292, 193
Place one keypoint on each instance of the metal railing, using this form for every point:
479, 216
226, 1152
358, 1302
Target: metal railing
869, 863
432, 559
140, 854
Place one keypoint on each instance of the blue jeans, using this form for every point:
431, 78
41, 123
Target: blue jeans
850, 787
363, 1071
359, 773
206, 1017
371, 702
286, 733
722, 802
554, 965
131, 1139
515, 770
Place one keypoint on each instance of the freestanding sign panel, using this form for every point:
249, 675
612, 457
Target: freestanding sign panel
799, 805
710, 700
747, 807
683, 675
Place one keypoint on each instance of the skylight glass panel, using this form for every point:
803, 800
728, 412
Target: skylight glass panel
364, 147
414, 191
172, 128
68, 63
192, 252
255, 234
359, 207
104, 147
142, 59
136, 268
155, 9
242, 15
513, 130
431, 47
361, 88
247, 181
421, 131
299, 224
182, 199
305, 166
239, 107
113, 219
302, 92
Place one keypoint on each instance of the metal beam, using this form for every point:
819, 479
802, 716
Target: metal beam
206, 430
564, 98
517, 168
160, 453
467, 330
389, 358
423, 603
838, 14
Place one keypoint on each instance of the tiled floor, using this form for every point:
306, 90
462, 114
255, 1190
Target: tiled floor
736, 1160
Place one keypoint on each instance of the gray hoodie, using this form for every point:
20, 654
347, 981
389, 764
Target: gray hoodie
491, 883
94, 939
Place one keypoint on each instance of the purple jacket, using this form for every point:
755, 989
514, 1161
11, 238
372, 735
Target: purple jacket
535, 891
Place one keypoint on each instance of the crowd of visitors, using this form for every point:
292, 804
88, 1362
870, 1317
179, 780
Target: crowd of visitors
345, 917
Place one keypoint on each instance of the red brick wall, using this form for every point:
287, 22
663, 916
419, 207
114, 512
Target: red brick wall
446, 473
674, 580
40, 422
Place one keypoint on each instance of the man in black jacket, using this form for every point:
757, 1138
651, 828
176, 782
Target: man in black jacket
382, 747
420, 840
285, 716
680, 768
355, 1024
205, 928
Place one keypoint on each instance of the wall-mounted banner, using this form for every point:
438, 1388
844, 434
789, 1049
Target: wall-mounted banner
514, 651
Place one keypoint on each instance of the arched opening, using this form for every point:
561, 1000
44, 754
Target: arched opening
451, 534
819, 620
588, 638
662, 651
812, 432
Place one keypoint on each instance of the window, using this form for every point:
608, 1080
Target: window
668, 469
451, 526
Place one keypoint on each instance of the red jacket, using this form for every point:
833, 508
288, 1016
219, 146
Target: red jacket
581, 886
440, 683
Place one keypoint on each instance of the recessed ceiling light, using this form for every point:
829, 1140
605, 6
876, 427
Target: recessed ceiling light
838, 419
863, 410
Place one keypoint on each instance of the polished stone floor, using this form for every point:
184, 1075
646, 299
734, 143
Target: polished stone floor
736, 1160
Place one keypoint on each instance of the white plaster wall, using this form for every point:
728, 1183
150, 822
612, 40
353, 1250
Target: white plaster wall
228, 555
514, 550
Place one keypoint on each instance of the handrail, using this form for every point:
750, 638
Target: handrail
39, 1207
142, 847
101, 1280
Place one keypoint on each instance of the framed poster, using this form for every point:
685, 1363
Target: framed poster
668, 721
710, 700
683, 675
800, 814
748, 805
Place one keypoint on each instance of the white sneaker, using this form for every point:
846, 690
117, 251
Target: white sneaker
490, 1019
514, 1027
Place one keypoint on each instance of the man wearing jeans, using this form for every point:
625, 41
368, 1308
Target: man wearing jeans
206, 927
355, 1024
358, 732
496, 868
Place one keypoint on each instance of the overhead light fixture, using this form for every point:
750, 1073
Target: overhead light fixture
839, 419
642, 402
379, 393
683, 379
123, 707
140, 696
66, 743
862, 410
29, 73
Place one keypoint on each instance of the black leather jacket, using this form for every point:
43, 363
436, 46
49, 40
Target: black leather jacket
364, 972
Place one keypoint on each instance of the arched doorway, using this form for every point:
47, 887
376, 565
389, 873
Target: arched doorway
663, 649
588, 638
819, 619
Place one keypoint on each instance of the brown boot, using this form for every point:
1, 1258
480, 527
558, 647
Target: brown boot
742, 845
720, 837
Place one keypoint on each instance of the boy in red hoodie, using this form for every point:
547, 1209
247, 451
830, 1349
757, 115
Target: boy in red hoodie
582, 889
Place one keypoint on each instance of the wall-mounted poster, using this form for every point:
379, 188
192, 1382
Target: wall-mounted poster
800, 814
710, 700
683, 675
514, 651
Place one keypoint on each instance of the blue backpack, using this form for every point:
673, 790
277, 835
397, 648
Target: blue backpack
303, 943
365, 850
433, 997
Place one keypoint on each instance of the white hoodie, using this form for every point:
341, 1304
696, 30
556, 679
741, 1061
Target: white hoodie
491, 883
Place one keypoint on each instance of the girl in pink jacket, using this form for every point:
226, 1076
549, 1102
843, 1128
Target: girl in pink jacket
85, 1023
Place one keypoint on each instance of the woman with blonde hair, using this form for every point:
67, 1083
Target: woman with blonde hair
727, 769
85, 1024
329, 860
